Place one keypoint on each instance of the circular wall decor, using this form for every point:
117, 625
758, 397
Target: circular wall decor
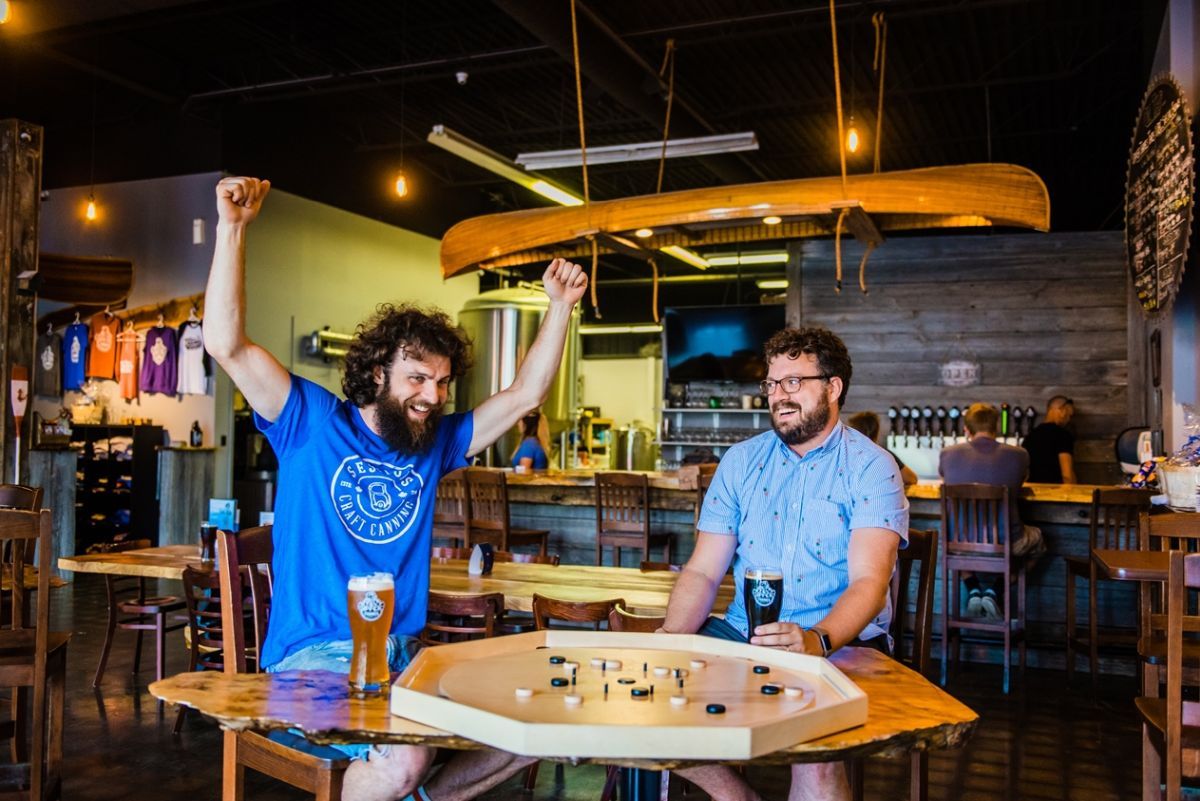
1158, 195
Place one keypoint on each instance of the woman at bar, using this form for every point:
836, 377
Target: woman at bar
531, 452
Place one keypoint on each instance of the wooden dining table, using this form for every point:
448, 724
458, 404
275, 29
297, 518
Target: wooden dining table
643, 592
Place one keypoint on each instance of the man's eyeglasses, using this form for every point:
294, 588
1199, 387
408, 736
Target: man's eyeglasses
790, 385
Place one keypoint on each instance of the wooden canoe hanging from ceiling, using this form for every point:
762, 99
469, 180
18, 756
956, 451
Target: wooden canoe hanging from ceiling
962, 196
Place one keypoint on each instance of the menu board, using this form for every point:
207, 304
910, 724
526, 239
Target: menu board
1158, 195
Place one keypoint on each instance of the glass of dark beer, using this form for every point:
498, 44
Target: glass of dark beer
762, 594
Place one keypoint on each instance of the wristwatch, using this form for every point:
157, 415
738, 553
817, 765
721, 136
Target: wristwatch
823, 639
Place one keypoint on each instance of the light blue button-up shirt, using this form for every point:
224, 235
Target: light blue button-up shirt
797, 513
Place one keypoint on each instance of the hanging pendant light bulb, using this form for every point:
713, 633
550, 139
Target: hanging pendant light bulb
852, 137
90, 211
401, 184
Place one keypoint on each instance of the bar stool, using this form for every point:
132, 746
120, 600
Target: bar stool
487, 513
131, 609
1113, 525
976, 537
623, 517
450, 508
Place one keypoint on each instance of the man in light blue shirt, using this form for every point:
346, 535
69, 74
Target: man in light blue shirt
815, 499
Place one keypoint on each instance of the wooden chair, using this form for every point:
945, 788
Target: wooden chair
497, 556
921, 554
1170, 725
621, 619
1113, 525
546, 610
206, 643
247, 554
19, 496
453, 618
33, 656
450, 508
1175, 531
487, 513
131, 609
623, 517
976, 537
653, 567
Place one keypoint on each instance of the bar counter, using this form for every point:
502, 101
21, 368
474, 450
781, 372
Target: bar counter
563, 502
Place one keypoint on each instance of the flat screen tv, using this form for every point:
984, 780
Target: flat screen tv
718, 343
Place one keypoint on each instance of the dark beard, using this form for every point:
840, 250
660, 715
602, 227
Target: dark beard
809, 425
400, 431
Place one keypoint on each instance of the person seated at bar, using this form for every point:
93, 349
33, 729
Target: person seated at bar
352, 474
815, 500
868, 423
1051, 445
531, 452
984, 460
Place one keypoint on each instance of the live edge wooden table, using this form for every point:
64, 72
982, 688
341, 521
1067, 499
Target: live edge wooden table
645, 593
905, 713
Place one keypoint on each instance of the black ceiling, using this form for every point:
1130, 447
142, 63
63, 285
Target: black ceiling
325, 97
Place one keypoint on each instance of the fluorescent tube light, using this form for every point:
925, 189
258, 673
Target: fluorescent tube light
771, 283
637, 328
480, 156
686, 256
765, 257
641, 151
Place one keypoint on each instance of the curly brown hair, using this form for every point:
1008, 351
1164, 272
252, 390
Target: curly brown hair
419, 331
832, 356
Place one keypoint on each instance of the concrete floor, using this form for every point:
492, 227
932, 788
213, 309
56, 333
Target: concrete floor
1044, 741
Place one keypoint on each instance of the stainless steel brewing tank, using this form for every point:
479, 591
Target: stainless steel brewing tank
503, 324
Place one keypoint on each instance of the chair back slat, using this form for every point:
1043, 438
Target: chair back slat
1177, 531
622, 503
1114, 521
487, 499
547, 609
202, 596
621, 619
920, 554
19, 496
975, 519
459, 617
450, 501
20, 529
246, 555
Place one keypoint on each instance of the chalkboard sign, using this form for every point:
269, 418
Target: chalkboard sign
1158, 195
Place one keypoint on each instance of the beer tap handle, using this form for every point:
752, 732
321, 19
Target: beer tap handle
927, 424
940, 416
1005, 421
955, 417
893, 421
1018, 423
905, 420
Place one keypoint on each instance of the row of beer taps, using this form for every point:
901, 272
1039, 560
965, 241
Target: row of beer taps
934, 427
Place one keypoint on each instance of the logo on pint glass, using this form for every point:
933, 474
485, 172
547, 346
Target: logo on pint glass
764, 594
377, 502
370, 608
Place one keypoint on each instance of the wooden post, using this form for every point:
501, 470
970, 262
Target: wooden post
20, 190
795, 278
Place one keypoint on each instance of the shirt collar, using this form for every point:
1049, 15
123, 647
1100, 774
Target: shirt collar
828, 446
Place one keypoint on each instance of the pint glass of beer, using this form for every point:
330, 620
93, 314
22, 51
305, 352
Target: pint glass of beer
762, 594
370, 599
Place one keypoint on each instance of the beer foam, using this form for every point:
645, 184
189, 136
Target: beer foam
371, 581
763, 574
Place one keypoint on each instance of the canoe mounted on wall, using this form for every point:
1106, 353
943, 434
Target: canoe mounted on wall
87, 283
964, 196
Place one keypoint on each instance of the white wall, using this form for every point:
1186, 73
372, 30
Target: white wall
624, 389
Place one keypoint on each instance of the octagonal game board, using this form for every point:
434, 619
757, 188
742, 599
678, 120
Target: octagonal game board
616, 694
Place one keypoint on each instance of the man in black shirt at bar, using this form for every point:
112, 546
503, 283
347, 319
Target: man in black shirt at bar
1051, 445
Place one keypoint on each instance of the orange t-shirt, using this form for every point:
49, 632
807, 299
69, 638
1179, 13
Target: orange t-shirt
102, 346
127, 363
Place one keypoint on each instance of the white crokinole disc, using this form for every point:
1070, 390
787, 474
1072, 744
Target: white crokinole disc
523, 692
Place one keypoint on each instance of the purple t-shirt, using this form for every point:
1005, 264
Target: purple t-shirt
159, 361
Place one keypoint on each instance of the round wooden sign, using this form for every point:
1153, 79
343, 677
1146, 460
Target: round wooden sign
1158, 195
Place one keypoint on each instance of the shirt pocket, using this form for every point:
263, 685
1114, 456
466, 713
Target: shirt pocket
824, 528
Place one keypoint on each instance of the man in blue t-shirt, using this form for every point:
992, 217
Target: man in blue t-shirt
357, 477
815, 501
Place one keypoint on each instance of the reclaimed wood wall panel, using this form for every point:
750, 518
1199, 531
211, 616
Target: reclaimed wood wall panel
1041, 314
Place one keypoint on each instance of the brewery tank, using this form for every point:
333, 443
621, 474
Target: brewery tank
502, 325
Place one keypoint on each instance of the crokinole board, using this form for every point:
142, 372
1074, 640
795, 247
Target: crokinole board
501, 692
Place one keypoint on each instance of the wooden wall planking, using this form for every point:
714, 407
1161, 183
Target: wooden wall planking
1042, 314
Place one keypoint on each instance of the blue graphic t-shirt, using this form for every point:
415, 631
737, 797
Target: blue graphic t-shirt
75, 348
347, 503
